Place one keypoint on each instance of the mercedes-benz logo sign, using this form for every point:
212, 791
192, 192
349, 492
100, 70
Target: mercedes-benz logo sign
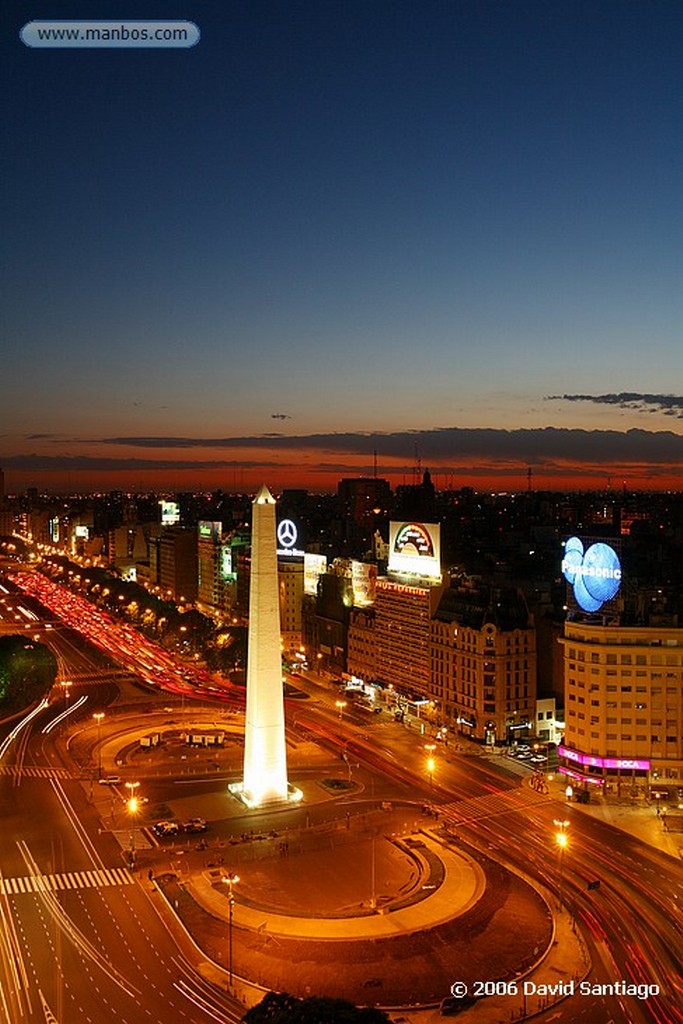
286, 533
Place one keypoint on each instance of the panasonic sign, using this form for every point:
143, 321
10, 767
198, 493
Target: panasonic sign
594, 574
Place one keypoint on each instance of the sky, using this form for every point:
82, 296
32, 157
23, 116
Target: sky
341, 235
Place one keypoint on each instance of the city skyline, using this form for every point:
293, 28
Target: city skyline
341, 236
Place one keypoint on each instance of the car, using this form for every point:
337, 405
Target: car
166, 828
110, 780
455, 1004
194, 825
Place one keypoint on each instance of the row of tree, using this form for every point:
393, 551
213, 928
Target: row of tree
27, 671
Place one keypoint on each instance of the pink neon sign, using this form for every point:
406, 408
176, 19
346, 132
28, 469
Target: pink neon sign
628, 763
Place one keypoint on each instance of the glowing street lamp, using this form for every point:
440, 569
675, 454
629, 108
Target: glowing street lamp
66, 685
562, 840
133, 805
431, 763
230, 880
340, 705
98, 716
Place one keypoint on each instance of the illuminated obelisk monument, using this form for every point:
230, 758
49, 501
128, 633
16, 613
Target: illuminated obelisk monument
265, 758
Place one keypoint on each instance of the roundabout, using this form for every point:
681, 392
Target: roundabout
442, 914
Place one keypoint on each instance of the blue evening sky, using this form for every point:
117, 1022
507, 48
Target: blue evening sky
362, 216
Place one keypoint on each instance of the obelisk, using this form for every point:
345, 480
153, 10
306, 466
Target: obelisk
265, 757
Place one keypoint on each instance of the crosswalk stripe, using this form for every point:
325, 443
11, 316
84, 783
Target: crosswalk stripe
95, 879
34, 772
491, 804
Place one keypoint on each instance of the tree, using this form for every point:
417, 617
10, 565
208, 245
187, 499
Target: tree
27, 671
283, 1008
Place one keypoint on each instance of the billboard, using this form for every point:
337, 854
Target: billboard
228, 567
288, 538
209, 530
364, 583
314, 566
415, 549
170, 513
594, 573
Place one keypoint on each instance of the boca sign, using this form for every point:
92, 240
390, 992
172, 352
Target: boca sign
594, 574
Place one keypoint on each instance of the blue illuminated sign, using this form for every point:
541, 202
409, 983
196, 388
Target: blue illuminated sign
594, 574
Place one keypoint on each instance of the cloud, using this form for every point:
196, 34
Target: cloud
670, 405
534, 447
103, 464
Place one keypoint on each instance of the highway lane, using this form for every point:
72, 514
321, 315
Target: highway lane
89, 936
81, 937
632, 934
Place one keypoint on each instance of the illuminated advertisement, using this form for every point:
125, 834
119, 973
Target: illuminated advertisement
53, 528
226, 562
170, 513
415, 548
287, 536
594, 574
628, 763
363, 583
210, 531
314, 566
82, 532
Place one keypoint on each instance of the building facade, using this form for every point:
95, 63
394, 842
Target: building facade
623, 705
483, 663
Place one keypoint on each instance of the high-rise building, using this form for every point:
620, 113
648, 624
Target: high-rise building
623, 705
483, 670
178, 563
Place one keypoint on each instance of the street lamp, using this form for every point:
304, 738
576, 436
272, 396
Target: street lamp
340, 705
98, 716
133, 805
230, 880
66, 685
562, 840
430, 748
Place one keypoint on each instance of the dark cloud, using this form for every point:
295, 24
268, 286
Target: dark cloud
98, 464
538, 447
670, 405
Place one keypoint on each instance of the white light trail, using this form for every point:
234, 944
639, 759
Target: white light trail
69, 711
11, 736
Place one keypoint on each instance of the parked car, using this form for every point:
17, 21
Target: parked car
165, 828
195, 825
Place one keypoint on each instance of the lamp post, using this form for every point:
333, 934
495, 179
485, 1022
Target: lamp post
133, 805
230, 880
562, 840
66, 685
98, 716
340, 705
430, 748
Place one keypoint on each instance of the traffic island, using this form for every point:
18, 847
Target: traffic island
470, 919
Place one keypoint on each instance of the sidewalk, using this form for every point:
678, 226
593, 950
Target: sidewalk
637, 818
